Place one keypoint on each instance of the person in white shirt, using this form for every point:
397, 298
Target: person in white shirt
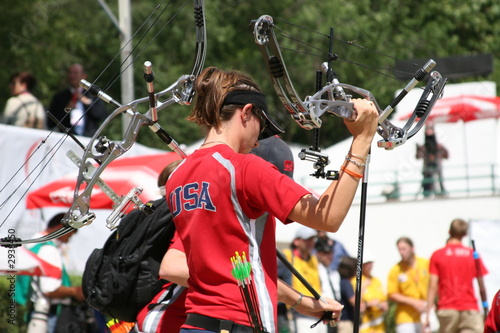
23, 108
49, 293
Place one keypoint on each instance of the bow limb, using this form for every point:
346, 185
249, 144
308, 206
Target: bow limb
201, 37
394, 136
266, 39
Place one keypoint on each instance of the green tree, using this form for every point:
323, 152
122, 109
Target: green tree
46, 36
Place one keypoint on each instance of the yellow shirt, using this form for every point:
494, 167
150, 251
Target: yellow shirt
411, 282
308, 269
373, 319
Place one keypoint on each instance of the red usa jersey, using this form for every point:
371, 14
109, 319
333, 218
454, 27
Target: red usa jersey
492, 323
218, 199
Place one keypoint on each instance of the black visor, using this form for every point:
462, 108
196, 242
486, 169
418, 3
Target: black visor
257, 99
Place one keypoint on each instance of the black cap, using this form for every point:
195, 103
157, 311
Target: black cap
322, 245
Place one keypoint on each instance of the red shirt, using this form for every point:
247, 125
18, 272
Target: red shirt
455, 266
216, 198
492, 323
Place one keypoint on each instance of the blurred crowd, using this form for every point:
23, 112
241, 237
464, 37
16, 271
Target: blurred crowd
72, 110
422, 295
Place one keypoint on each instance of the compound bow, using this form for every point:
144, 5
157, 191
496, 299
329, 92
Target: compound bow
104, 151
307, 113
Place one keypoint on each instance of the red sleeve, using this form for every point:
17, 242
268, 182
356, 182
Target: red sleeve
267, 189
484, 270
177, 243
433, 267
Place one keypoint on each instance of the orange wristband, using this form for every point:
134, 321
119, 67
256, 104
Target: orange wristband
351, 173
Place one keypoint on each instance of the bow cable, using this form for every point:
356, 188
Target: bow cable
376, 69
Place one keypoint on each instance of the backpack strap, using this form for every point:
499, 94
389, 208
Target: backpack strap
12, 118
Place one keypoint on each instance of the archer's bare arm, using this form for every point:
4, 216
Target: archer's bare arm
174, 267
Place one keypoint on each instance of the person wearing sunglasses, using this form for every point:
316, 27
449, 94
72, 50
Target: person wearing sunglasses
217, 194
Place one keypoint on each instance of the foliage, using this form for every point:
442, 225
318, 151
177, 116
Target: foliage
6, 325
20, 311
44, 37
390, 318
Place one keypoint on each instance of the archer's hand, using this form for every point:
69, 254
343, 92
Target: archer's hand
365, 124
316, 308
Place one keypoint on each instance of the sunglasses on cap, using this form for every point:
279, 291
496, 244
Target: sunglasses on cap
262, 121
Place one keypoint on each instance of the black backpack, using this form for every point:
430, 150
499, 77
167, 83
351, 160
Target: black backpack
122, 277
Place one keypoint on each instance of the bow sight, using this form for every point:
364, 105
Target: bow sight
332, 98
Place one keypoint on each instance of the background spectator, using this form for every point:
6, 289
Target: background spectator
452, 272
23, 108
49, 295
374, 298
433, 154
334, 286
492, 324
306, 263
339, 250
407, 286
76, 108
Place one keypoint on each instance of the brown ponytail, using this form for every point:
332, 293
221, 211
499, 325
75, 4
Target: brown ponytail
211, 88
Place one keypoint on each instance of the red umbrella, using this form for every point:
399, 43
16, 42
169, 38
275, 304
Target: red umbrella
27, 263
463, 107
121, 175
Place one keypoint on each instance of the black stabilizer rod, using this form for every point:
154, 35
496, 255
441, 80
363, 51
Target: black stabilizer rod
149, 77
96, 91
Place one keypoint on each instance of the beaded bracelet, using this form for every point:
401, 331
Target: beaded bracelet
351, 173
354, 162
358, 156
298, 301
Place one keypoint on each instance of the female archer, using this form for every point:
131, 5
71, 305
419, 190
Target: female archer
218, 193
